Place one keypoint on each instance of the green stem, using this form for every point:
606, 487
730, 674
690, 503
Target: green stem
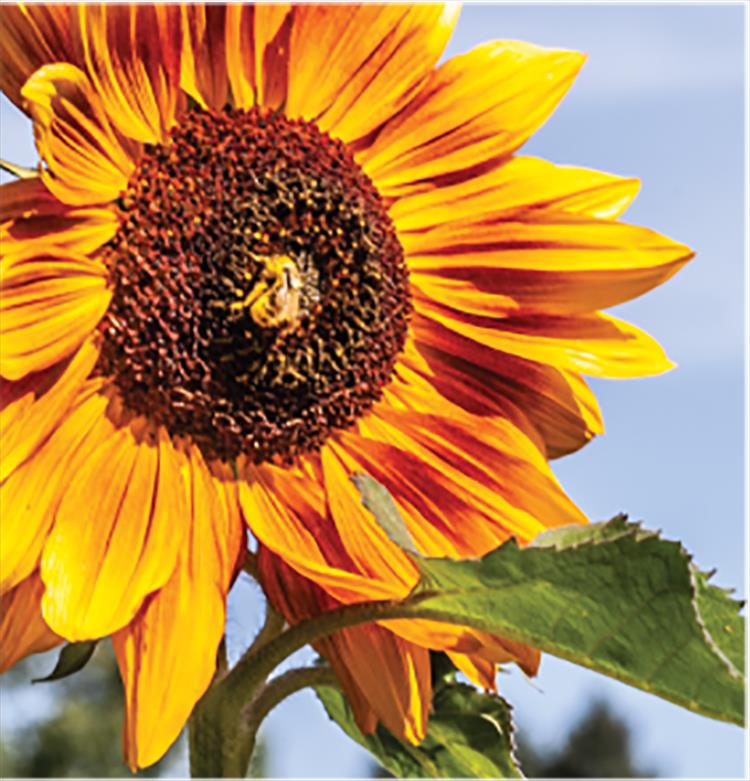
272, 627
260, 661
225, 721
270, 695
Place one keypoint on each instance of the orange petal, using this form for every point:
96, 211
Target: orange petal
477, 670
132, 53
522, 185
257, 49
204, 69
30, 213
285, 513
33, 35
559, 404
50, 301
166, 656
392, 674
22, 628
383, 675
595, 344
35, 407
372, 552
32, 493
351, 67
87, 160
476, 108
117, 532
25, 197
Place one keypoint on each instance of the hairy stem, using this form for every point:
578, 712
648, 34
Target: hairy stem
225, 722
271, 694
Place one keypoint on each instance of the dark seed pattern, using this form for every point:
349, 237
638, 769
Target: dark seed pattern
201, 218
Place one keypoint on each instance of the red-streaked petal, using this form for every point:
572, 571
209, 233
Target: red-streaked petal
132, 53
204, 60
351, 67
33, 35
285, 512
542, 262
595, 344
476, 108
520, 186
257, 50
559, 404
384, 676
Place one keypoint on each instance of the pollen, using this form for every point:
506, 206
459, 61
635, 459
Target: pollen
260, 295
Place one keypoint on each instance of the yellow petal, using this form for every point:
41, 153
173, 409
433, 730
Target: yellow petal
33, 35
479, 671
31, 495
22, 628
167, 655
50, 302
116, 536
476, 108
520, 186
87, 161
545, 262
257, 51
351, 67
132, 53
35, 407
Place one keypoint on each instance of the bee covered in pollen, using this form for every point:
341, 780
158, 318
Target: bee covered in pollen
274, 301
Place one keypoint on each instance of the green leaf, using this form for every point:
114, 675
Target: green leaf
469, 735
73, 657
612, 597
720, 615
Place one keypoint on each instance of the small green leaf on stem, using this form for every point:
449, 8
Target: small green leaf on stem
470, 735
73, 657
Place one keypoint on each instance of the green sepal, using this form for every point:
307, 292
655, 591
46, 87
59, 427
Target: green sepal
73, 658
469, 735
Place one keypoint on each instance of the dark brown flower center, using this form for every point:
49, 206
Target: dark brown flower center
260, 291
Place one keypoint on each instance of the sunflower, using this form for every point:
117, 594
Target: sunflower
267, 248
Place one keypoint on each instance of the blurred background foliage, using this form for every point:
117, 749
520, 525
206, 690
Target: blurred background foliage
77, 734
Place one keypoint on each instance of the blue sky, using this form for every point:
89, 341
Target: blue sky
661, 98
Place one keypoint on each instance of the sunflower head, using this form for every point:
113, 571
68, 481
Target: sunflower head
260, 294
268, 248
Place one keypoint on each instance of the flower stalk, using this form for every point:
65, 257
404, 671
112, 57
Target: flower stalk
224, 725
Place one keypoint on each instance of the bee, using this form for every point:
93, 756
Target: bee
274, 301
